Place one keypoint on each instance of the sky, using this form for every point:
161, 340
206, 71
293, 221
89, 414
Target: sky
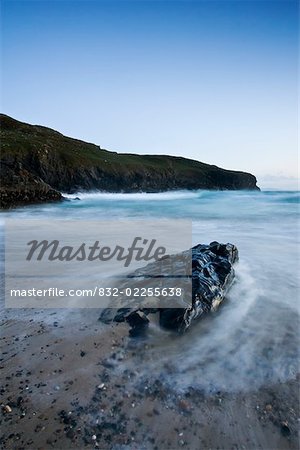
211, 80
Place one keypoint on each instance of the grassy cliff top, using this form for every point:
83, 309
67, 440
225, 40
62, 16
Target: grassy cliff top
49, 154
20, 138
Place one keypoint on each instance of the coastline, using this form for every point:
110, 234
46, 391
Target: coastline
38, 164
149, 238
56, 362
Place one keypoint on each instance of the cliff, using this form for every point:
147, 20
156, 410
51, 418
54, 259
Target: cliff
37, 163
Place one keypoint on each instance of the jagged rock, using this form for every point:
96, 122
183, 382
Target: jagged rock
138, 322
211, 275
19, 186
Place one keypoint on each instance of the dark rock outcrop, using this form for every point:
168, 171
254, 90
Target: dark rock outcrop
70, 165
211, 275
19, 186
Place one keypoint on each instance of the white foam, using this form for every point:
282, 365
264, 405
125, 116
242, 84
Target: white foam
158, 196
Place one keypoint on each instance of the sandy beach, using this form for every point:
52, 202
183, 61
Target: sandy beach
68, 383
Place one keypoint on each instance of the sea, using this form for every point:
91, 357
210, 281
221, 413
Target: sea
253, 338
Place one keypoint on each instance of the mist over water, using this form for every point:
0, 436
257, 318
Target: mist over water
253, 338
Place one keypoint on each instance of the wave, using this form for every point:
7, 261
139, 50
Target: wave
234, 349
158, 196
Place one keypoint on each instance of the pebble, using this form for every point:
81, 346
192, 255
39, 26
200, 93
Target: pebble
184, 405
7, 409
285, 430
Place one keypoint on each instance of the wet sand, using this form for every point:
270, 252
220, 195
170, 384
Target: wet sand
65, 385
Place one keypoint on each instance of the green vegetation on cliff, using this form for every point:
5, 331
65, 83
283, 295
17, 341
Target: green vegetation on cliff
37, 157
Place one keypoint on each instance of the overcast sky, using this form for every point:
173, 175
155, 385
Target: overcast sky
214, 81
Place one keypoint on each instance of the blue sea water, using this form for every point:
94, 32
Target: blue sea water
253, 338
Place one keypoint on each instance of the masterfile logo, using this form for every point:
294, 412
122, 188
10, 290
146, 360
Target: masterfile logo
140, 250
63, 263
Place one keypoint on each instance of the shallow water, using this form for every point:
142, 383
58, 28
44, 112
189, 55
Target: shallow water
253, 337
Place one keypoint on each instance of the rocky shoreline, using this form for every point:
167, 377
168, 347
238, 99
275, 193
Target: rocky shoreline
38, 163
20, 187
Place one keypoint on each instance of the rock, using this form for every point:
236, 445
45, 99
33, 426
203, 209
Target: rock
138, 323
212, 275
184, 406
7, 409
285, 429
19, 186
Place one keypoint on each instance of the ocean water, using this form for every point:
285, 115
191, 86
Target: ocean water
253, 338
